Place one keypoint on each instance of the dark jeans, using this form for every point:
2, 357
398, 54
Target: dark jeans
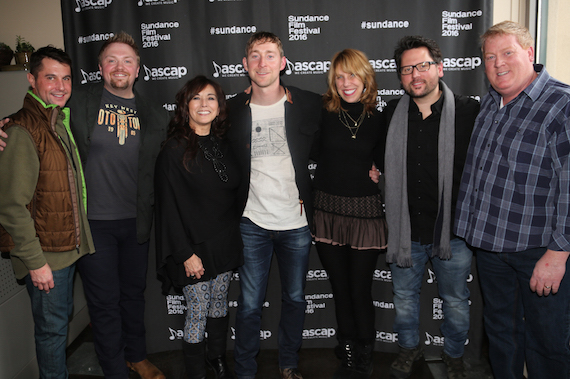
114, 280
51, 312
350, 273
292, 251
451, 277
521, 325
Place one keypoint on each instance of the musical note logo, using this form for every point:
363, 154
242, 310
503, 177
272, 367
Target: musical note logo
217, 68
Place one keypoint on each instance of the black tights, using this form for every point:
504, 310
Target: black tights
350, 273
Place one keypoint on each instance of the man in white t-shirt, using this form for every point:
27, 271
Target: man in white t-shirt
272, 130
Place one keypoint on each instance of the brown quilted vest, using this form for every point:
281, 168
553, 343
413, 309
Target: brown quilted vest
54, 205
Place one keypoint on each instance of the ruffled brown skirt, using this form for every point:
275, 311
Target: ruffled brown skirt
355, 221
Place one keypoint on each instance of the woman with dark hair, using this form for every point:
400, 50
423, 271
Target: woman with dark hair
349, 224
198, 239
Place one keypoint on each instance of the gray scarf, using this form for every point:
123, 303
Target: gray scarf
397, 211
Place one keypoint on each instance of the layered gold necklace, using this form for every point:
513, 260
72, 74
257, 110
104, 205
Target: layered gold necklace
351, 124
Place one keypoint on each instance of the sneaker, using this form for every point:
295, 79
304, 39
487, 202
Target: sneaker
455, 366
402, 367
290, 373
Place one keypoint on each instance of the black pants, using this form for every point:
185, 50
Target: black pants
114, 280
350, 272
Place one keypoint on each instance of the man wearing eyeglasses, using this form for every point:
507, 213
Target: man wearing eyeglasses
426, 147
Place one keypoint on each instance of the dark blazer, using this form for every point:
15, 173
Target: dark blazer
302, 119
154, 119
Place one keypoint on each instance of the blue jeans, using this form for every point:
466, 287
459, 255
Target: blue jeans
292, 250
114, 280
452, 277
51, 312
521, 325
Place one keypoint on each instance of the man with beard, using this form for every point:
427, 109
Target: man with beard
426, 146
118, 135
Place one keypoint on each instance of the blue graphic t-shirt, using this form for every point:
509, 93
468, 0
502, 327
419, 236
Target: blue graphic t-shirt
112, 164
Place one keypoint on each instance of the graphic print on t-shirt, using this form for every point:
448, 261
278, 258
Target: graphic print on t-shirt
268, 138
119, 119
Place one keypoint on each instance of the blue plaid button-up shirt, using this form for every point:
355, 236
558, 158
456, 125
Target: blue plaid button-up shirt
515, 188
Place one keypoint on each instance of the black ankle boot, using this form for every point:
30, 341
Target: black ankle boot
217, 329
364, 364
348, 362
195, 360
220, 367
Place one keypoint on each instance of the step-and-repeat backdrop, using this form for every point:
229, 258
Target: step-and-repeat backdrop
179, 39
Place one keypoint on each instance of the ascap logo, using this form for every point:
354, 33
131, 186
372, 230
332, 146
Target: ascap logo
263, 334
156, 2
163, 73
308, 68
228, 70
90, 77
432, 278
383, 275
383, 65
85, 5
318, 333
317, 275
175, 334
456, 64
386, 337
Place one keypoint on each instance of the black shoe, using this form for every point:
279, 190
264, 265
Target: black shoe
364, 365
455, 366
402, 367
220, 367
290, 373
345, 351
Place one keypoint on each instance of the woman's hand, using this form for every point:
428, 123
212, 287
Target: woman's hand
193, 267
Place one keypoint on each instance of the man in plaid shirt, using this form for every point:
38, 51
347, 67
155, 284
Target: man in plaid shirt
513, 207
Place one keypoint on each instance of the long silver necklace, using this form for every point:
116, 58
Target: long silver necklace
352, 125
215, 156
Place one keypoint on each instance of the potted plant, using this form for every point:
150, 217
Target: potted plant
23, 51
6, 54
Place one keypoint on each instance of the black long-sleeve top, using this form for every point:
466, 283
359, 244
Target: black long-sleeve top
422, 160
343, 162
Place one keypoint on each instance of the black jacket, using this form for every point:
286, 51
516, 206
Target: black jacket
302, 119
84, 105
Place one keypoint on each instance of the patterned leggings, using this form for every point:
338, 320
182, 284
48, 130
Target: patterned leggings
205, 299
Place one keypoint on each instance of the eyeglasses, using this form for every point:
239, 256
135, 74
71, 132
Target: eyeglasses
421, 67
